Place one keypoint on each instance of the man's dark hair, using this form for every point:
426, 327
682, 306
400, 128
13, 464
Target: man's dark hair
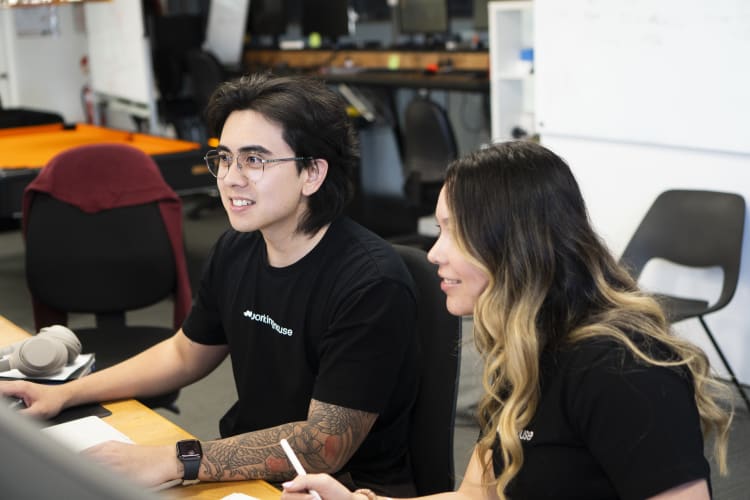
314, 123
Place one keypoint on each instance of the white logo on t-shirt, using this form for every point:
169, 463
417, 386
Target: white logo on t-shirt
526, 435
263, 318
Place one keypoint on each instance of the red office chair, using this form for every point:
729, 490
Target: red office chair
103, 236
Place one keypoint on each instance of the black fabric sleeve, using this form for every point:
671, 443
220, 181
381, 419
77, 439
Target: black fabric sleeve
203, 323
640, 423
363, 349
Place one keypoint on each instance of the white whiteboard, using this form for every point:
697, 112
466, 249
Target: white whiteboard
664, 72
119, 59
225, 30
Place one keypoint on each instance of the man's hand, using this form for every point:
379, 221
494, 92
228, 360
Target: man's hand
148, 466
41, 400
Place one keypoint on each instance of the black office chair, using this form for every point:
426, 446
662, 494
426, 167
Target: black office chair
380, 203
434, 414
206, 73
695, 229
429, 145
25, 117
103, 235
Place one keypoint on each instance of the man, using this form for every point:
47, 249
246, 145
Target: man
316, 313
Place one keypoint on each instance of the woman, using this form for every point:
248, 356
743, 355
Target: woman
587, 392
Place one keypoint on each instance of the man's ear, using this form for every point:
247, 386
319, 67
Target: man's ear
315, 173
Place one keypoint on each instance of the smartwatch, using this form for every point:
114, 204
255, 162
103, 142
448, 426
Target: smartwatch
189, 452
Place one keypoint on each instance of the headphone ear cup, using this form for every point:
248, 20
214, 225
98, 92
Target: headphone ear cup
65, 336
39, 356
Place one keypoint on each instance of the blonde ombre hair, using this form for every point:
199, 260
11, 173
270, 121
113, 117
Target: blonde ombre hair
519, 215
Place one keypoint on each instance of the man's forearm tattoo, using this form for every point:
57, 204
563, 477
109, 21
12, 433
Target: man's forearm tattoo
323, 443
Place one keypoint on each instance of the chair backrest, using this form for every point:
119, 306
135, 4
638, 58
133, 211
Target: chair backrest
206, 73
380, 203
118, 249
113, 260
695, 229
429, 139
429, 145
433, 418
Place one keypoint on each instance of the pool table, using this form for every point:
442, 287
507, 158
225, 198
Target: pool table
25, 150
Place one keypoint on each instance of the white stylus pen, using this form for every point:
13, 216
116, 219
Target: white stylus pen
296, 464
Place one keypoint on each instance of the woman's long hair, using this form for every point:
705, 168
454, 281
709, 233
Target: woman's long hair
520, 216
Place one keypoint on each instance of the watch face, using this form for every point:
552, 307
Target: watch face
189, 448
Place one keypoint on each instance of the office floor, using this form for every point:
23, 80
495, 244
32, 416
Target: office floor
202, 403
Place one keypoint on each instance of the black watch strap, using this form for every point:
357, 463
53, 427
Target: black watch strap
189, 452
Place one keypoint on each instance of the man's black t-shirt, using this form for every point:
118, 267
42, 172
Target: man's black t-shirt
608, 427
337, 326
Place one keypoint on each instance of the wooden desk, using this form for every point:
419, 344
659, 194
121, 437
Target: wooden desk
414, 79
145, 426
381, 58
471, 68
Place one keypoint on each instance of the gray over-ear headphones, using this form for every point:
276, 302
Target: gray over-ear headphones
43, 354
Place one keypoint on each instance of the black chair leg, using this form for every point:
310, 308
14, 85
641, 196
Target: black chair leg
726, 363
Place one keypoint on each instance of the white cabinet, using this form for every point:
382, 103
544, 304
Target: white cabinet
6, 48
511, 38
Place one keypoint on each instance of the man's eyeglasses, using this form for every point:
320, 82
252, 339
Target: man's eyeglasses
251, 165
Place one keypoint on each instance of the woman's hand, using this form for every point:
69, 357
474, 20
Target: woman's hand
326, 486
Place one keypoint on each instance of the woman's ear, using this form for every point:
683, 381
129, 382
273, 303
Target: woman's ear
315, 173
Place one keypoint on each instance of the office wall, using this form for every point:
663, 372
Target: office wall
620, 181
670, 72
44, 71
631, 138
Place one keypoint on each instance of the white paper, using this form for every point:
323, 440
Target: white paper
62, 375
85, 432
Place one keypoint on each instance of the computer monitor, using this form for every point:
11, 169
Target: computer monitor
371, 10
267, 17
459, 8
328, 18
425, 17
38, 466
480, 15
